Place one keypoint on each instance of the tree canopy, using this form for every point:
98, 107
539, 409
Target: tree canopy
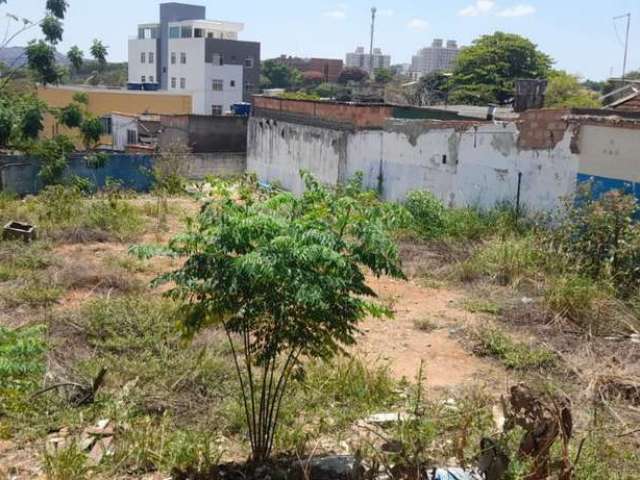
352, 74
99, 52
486, 72
278, 75
565, 90
286, 276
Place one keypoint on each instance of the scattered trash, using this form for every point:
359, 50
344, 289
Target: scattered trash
96, 441
527, 300
337, 467
383, 419
455, 474
19, 231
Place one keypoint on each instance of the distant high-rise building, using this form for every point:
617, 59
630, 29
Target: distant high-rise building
363, 60
436, 58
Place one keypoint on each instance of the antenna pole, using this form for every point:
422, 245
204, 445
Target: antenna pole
374, 10
626, 44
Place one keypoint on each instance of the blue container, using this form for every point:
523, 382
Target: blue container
241, 109
134, 86
151, 87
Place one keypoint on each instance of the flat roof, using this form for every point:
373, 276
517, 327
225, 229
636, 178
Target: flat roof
89, 89
214, 24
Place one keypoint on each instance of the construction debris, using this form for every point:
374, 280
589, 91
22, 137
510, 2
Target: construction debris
96, 442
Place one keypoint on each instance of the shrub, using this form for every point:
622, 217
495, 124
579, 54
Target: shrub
506, 261
66, 463
116, 217
600, 238
428, 213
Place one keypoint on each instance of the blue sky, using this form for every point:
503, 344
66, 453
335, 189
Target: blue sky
578, 34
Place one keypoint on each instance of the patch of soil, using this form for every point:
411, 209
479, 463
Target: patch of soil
403, 346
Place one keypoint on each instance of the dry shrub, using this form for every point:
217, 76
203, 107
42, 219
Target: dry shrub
80, 235
90, 275
617, 388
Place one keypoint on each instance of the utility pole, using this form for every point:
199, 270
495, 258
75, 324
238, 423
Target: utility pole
374, 10
626, 43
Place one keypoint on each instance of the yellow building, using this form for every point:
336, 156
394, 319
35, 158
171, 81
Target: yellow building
104, 102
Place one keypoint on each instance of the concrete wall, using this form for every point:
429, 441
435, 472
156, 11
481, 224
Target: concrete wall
205, 134
477, 165
19, 174
278, 151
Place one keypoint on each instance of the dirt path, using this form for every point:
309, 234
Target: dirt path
402, 345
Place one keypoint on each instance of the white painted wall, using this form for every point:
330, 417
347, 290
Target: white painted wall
481, 166
231, 76
278, 151
193, 71
119, 126
137, 69
610, 155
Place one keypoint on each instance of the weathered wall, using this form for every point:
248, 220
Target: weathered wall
461, 163
205, 134
19, 174
278, 151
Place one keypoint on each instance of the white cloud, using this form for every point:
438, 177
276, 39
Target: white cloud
418, 24
480, 7
339, 13
517, 11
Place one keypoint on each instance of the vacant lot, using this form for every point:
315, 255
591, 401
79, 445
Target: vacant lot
487, 305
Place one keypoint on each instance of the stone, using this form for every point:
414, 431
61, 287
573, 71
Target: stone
388, 418
336, 467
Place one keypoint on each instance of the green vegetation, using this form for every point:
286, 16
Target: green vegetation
277, 75
515, 355
565, 90
486, 71
299, 262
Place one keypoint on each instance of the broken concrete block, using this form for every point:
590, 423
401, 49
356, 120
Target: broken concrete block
103, 447
19, 231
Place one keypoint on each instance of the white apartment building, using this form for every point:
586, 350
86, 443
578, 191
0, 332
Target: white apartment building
365, 61
436, 58
187, 54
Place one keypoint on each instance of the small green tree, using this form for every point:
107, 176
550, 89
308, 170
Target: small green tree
383, 75
99, 52
565, 90
284, 277
278, 75
76, 57
352, 74
431, 89
91, 130
41, 59
52, 29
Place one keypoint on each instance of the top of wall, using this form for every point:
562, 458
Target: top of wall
345, 114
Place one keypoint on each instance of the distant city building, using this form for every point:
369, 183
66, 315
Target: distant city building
436, 58
184, 53
363, 60
329, 68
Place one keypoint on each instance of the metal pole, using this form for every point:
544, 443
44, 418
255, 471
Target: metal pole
626, 43
373, 29
518, 196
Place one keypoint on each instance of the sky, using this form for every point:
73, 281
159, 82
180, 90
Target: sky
580, 35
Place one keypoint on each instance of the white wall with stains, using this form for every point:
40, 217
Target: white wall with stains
463, 165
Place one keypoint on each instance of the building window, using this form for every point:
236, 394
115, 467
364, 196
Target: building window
216, 110
174, 32
198, 33
173, 58
132, 137
107, 125
217, 59
209, 34
151, 79
248, 88
143, 57
187, 32
232, 83
248, 62
151, 57
217, 85
143, 79
173, 82
183, 58
183, 83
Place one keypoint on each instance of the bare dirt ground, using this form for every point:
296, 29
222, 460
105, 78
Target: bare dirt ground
403, 346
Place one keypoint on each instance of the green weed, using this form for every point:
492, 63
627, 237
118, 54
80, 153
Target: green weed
67, 463
514, 355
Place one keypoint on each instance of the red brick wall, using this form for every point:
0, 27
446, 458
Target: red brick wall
542, 129
359, 115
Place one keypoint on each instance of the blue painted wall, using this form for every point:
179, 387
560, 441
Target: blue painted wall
20, 174
602, 185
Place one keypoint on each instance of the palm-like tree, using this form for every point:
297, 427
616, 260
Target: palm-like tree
99, 52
